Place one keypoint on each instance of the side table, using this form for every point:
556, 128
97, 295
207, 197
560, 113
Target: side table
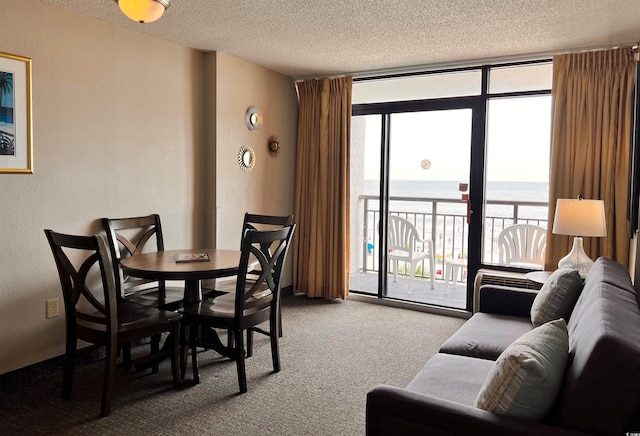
538, 277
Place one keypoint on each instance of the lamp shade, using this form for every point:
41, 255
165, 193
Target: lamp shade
579, 217
143, 11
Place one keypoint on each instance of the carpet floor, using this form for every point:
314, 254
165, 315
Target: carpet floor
332, 354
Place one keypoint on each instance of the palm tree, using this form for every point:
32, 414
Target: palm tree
6, 84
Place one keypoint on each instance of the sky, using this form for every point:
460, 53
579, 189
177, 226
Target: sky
517, 142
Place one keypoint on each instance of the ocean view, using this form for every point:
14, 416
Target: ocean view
447, 189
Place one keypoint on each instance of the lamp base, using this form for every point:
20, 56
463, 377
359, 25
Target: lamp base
577, 258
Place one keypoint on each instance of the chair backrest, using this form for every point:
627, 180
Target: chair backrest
401, 235
270, 248
129, 236
77, 258
522, 244
265, 222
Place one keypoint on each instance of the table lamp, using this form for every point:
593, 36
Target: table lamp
579, 218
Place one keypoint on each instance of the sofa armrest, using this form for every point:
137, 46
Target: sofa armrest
393, 411
505, 300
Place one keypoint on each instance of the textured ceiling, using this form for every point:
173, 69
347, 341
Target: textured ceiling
302, 38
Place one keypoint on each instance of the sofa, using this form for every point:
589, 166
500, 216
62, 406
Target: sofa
598, 390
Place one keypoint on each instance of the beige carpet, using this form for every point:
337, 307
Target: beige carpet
332, 353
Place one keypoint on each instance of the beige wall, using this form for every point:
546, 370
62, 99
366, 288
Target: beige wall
119, 129
269, 187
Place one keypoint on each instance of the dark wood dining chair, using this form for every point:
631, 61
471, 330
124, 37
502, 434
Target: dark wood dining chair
255, 222
98, 316
253, 302
129, 236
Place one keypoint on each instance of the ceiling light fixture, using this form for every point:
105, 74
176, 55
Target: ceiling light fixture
143, 11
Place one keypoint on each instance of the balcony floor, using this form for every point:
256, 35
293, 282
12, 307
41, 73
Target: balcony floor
421, 291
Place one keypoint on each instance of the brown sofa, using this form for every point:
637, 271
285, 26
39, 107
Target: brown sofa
600, 391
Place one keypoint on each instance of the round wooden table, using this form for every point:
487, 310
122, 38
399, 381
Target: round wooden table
162, 265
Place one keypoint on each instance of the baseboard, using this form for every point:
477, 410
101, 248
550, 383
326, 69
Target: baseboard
13, 380
287, 291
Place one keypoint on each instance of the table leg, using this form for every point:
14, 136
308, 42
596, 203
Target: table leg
192, 292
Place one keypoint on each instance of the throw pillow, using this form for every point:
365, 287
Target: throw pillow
557, 297
526, 377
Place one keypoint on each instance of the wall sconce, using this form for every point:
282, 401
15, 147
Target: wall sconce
273, 144
143, 11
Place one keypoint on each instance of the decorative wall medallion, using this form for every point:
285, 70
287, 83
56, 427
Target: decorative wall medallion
246, 158
425, 164
273, 145
253, 118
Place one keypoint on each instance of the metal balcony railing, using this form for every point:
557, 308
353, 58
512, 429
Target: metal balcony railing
444, 221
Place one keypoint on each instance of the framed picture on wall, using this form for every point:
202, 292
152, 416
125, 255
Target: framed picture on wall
16, 148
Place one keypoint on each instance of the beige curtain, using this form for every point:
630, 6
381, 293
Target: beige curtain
590, 146
321, 244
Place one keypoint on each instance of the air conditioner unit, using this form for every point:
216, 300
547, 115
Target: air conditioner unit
501, 278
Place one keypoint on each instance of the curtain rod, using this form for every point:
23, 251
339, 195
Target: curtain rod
470, 62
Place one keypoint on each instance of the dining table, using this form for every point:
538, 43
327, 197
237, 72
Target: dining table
191, 266
185, 265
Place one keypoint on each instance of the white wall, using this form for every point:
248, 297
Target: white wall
118, 130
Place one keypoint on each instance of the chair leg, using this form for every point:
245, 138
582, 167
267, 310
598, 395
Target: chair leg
279, 318
412, 274
239, 355
249, 342
155, 349
109, 374
194, 352
432, 272
230, 338
395, 271
176, 364
275, 347
69, 366
126, 356
184, 349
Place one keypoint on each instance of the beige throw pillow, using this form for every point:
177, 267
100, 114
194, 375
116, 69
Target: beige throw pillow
525, 379
557, 297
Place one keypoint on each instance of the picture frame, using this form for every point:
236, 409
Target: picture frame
16, 146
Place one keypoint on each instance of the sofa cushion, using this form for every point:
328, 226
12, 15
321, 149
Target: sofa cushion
601, 387
524, 381
486, 335
557, 297
453, 378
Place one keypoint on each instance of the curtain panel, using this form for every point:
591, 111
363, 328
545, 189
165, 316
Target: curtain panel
590, 145
321, 244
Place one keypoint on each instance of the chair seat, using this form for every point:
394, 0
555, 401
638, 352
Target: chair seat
173, 299
406, 255
132, 316
223, 306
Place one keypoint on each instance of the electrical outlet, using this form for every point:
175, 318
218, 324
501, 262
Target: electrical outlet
52, 308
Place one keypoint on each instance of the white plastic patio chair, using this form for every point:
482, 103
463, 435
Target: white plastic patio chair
404, 244
522, 245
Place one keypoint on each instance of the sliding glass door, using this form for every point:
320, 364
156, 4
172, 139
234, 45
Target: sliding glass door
410, 173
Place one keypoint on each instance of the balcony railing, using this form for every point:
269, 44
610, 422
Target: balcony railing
444, 221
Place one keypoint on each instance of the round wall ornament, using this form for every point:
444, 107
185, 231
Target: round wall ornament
273, 145
246, 158
425, 164
253, 118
